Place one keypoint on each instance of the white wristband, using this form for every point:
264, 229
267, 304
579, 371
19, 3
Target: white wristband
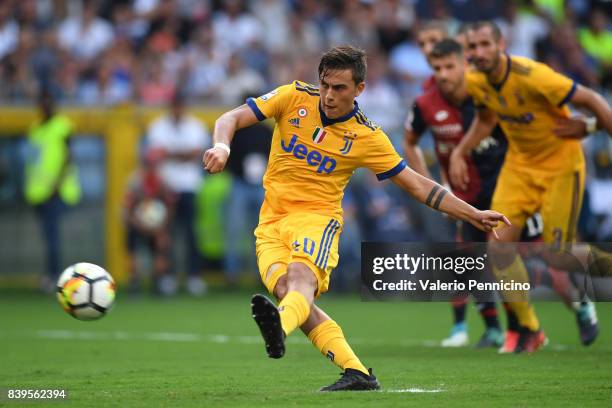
222, 146
591, 124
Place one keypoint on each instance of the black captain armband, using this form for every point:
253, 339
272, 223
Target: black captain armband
432, 196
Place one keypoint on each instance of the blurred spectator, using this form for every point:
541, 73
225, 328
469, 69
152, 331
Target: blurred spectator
149, 209
381, 217
554, 9
240, 80
522, 28
274, 16
9, 30
50, 179
234, 28
394, 20
564, 54
204, 64
256, 57
356, 26
19, 77
380, 100
155, 88
304, 37
411, 67
181, 138
104, 87
596, 39
247, 165
86, 35
46, 59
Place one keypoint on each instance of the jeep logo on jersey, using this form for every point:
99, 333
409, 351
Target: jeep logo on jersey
441, 115
314, 158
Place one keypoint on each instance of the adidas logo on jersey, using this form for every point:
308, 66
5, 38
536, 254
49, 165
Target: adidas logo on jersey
300, 151
295, 122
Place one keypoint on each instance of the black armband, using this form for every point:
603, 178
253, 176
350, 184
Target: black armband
432, 195
439, 199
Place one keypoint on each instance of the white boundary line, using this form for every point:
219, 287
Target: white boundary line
414, 390
219, 338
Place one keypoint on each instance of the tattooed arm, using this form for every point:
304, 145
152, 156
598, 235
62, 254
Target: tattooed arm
438, 198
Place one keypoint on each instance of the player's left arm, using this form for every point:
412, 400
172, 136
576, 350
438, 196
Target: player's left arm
592, 101
559, 90
435, 196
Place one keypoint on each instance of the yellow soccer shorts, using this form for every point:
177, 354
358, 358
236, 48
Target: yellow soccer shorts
521, 192
308, 238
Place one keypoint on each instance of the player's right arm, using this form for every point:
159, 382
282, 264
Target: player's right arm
226, 125
413, 129
482, 126
435, 196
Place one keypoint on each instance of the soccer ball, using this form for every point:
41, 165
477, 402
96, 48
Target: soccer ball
86, 291
152, 213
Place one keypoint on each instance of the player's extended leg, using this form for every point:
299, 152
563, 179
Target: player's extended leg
493, 335
458, 336
560, 212
516, 195
512, 331
507, 266
328, 338
296, 290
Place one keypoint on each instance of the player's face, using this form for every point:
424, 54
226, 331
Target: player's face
338, 92
448, 71
484, 49
462, 39
427, 39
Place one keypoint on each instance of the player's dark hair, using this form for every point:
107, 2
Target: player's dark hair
446, 47
433, 25
344, 57
464, 28
486, 23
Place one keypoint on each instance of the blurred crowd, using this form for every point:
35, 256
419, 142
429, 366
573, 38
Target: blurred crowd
110, 51
216, 52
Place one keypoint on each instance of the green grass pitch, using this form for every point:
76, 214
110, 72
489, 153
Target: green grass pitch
207, 352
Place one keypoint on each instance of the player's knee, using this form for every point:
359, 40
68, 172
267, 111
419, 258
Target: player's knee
300, 277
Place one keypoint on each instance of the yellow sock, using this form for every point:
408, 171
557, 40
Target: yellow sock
329, 339
294, 310
518, 301
525, 314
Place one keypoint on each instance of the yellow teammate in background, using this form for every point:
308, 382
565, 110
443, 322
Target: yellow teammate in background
544, 169
320, 138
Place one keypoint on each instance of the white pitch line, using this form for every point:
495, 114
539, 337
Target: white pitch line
219, 338
415, 390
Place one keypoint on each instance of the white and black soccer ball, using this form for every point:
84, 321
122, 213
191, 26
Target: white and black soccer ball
86, 291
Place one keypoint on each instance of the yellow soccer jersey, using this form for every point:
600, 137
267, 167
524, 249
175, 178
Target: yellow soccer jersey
313, 157
528, 101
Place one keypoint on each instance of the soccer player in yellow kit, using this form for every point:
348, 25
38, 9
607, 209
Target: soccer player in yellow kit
542, 170
320, 138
